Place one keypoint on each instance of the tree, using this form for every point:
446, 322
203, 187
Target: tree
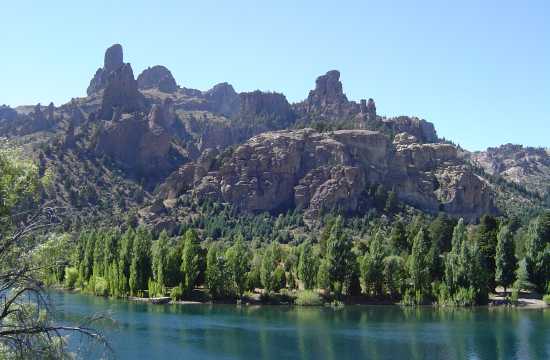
238, 260
340, 258
537, 252
159, 261
217, 273
398, 237
505, 258
190, 261
308, 265
270, 260
441, 232
394, 275
419, 266
140, 268
125, 259
27, 327
465, 274
372, 267
486, 237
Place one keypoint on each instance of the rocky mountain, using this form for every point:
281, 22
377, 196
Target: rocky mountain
521, 165
150, 141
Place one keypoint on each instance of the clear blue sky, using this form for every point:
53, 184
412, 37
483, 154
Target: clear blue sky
480, 70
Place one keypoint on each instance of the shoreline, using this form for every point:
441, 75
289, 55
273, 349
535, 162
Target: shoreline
495, 302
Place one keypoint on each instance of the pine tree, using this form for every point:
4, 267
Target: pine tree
487, 240
505, 258
441, 232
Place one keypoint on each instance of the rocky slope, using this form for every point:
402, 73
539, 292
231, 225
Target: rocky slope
254, 149
525, 166
321, 172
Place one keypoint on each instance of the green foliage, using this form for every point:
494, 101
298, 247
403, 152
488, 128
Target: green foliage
159, 261
464, 269
308, 298
279, 279
394, 274
546, 299
176, 293
140, 267
238, 260
486, 237
308, 266
101, 287
537, 256
323, 275
505, 258
270, 261
371, 267
419, 267
190, 261
217, 274
341, 260
71, 277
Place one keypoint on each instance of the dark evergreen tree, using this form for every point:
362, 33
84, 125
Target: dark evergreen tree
505, 258
537, 252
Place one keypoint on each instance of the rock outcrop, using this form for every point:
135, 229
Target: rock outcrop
269, 108
158, 77
223, 99
121, 93
526, 166
423, 130
321, 172
139, 145
113, 60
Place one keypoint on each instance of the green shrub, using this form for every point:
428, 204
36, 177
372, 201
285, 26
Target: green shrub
71, 276
546, 299
101, 287
176, 293
308, 298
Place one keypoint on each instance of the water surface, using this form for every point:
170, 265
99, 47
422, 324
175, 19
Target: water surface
143, 331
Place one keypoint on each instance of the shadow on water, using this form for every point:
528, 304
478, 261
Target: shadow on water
279, 332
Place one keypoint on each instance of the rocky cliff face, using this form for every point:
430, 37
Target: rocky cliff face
139, 145
326, 171
526, 166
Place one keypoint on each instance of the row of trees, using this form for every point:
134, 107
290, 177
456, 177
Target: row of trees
442, 261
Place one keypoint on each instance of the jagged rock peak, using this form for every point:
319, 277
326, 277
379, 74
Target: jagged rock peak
121, 92
159, 77
113, 61
328, 87
114, 58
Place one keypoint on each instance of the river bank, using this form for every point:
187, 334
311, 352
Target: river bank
525, 301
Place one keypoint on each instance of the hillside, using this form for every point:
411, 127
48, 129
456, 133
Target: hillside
138, 148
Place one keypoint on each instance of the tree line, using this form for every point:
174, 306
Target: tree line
424, 261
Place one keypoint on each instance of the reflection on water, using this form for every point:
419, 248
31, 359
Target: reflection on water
278, 332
